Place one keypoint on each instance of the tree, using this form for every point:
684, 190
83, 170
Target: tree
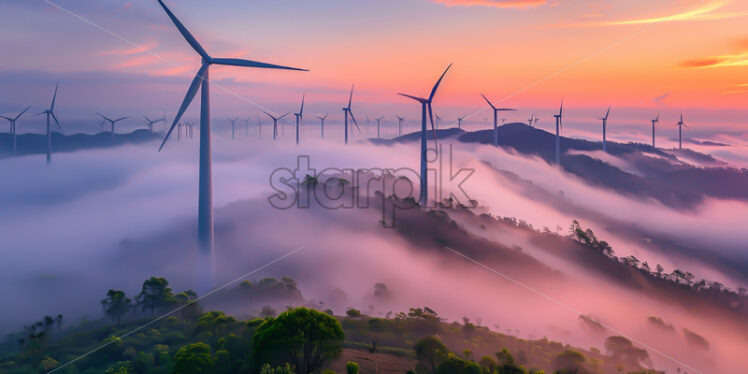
569, 361
188, 300
456, 365
351, 367
353, 313
214, 321
155, 294
115, 305
622, 349
304, 337
430, 352
193, 358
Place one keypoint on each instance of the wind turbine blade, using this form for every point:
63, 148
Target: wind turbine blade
301, 112
103, 116
268, 114
250, 64
56, 121
284, 115
354, 121
488, 101
658, 118
416, 98
433, 128
185, 33
561, 110
433, 91
9, 119
607, 113
148, 120
186, 102
38, 114
54, 98
350, 98
20, 114
120, 119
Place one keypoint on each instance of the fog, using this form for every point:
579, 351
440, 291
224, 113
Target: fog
100, 219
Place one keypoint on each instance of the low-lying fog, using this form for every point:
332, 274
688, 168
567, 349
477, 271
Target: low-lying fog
100, 219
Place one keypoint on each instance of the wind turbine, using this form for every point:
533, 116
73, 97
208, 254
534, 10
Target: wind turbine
259, 127
179, 131
299, 118
322, 123
532, 121
150, 123
605, 125
496, 120
233, 126
426, 106
275, 123
654, 121
438, 121
246, 129
112, 122
680, 125
347, 111
379, 123
400, 125
459, 121
559, 125
202, 82
188, 130
51, 113
12, 121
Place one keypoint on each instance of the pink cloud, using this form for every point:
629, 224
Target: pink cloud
517, 4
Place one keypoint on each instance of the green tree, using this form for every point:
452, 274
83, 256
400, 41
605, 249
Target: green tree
214, 322
193, 358
284, 369
453, 364
623, 350
115, 305
304, 337
569, 361
155, 294
351, 367
430, 352
191, 308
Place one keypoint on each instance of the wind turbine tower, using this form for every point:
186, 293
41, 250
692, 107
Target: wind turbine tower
51, 113
322, 124
112, 122
299, 118
275, 123
559, 125
400, 125
605, 126
346, 112
496, 119
654, 122
680, 131
205, 195
379, 125
426, 107
12, 121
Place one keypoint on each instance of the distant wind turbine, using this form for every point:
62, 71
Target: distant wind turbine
322, 123
559, 125
605, 126
680, 125
379, 125
188, 131
259, 127
275, 123
438, 121
400, 125
426, 106
150, 123
654, 122
299, 118
246, 128
496, 119
346, 112
459, 121
112, 122
202, 82
51, 113
532, 121
12, 121
233, 126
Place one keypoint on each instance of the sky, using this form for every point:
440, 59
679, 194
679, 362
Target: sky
126, 58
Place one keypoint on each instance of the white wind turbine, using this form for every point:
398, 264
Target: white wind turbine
205, 195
